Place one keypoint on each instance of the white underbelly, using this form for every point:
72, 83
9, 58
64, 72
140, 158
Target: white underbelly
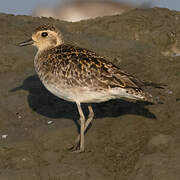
87, 95
82, 95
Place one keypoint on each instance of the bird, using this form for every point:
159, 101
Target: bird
77, 10
80, 75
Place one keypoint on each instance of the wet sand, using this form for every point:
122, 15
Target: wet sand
128, 140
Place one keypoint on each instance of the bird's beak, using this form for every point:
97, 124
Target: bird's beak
27, 42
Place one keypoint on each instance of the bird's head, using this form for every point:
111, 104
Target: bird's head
44, 37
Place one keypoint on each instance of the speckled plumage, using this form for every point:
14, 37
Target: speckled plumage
45, 27
73, 67
80, 75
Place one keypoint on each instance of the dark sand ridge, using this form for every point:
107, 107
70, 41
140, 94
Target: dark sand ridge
120, 144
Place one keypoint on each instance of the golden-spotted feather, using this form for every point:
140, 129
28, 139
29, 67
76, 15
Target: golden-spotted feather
79, 75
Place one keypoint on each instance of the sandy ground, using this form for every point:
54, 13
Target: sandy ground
128, 140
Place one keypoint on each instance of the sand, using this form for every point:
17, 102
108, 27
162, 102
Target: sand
127, 140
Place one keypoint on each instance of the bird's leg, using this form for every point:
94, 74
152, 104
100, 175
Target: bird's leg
90, 117
82, 121
88, 121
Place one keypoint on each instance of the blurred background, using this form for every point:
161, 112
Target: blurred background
75, 10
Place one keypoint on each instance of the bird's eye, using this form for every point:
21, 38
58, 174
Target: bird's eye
44, 34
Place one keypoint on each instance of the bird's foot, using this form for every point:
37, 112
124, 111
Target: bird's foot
73, 147
76, 145
76, 148
78, 151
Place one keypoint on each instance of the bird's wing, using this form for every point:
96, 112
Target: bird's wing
86, 68
105, 72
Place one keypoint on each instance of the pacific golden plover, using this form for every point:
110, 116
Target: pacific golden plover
79, 75
77, 10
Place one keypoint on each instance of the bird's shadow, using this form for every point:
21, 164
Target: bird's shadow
43, 102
